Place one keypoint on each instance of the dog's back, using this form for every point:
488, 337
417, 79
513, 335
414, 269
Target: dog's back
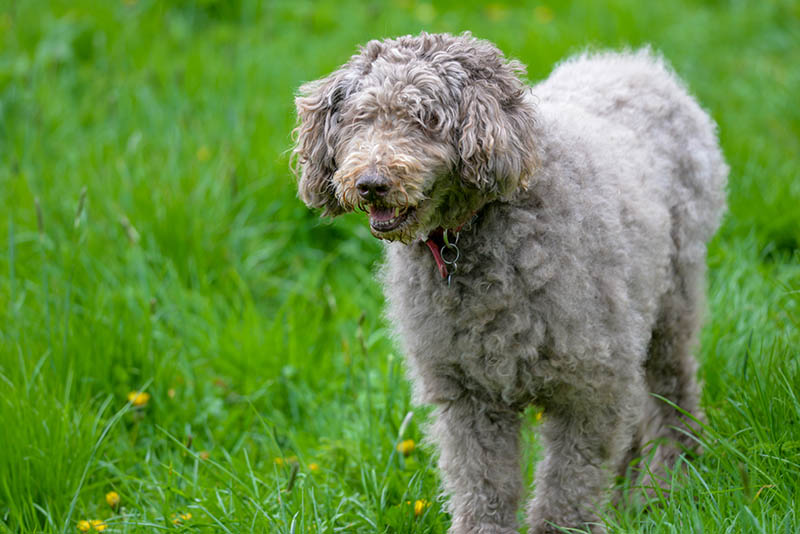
639, 91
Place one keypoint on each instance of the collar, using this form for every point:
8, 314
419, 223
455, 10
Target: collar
443, 244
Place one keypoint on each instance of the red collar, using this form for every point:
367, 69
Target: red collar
436, 243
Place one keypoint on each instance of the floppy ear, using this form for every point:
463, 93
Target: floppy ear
496, 145
318, 106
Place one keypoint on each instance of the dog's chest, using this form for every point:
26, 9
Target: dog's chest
481, 331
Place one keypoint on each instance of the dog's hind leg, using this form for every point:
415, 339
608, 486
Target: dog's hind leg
671, 374
480, 465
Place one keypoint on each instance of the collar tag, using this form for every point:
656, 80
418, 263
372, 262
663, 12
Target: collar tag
439, 241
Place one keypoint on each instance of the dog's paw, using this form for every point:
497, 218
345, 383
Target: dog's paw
481, 529
555, 523
548, 527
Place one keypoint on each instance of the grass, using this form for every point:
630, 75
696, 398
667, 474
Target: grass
150, 239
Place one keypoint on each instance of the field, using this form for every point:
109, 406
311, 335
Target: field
151, 240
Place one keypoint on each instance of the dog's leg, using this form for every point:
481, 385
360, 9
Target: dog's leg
480, 465
586, 434
671, 373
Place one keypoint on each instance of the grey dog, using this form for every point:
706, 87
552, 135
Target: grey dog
545, 245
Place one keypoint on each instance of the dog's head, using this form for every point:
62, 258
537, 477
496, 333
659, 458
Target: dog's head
418, 131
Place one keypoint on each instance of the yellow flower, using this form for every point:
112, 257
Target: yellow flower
112, 498
138, 398
406, 447
286, 461
177, 518
203, 153
539, 415
95, 525
419, 507
313, 467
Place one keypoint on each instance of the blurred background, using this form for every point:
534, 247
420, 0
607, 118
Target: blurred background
184, 346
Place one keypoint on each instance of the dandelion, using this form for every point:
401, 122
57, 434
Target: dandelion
539, 415
138, 398
112, 498
419, 507
313, 467
95, 525
406, 447
285, 461
178, 518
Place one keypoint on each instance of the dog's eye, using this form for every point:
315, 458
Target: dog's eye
429, 121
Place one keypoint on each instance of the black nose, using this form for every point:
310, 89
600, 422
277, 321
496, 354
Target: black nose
372, 186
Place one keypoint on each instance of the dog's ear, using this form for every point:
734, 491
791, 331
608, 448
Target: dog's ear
318, 108
495, 139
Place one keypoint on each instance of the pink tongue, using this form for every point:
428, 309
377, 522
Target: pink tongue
380, 214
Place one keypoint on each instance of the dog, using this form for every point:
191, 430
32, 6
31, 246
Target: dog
545, 245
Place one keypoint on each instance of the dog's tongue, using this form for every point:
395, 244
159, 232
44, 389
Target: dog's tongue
381, 214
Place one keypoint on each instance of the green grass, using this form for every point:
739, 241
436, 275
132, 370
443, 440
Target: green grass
188, 268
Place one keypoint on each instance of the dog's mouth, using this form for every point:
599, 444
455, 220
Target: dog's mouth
384, 219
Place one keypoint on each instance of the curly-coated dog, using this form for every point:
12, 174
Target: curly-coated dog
545, 244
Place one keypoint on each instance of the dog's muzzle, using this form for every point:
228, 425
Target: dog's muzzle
372, 187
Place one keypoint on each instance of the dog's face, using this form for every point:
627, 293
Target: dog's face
418, 131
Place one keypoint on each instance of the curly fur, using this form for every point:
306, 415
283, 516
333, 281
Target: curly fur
580, 285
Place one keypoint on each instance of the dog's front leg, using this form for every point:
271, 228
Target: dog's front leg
585, 435
480, 465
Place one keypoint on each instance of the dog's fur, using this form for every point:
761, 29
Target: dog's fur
580, 282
